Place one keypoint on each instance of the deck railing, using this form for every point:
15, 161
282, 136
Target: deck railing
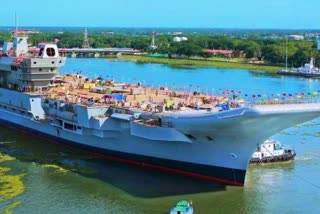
285, 101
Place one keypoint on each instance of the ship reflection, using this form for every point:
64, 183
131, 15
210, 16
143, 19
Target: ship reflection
136, 181
142, 182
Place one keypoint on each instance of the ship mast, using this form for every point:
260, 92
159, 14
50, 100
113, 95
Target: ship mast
16, 26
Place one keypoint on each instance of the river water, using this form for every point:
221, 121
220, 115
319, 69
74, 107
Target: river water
37, 176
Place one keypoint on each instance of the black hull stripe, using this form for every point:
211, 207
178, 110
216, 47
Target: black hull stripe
228, 176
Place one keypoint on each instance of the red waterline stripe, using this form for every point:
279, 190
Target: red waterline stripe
136, 163
162, 168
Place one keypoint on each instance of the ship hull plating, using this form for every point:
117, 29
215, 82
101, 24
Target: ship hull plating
219, 148
229, 176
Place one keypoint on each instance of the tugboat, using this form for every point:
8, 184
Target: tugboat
272, 151
308, 70
182, 207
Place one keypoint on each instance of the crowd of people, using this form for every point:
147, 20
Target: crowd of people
76, 89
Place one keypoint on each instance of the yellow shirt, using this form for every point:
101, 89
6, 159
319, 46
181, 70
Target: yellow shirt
168, 104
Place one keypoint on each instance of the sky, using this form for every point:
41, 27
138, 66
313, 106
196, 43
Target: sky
247, 14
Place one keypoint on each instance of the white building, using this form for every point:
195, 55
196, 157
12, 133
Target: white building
180, 39
296, 37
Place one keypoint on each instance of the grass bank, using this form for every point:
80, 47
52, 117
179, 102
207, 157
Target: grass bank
201, 63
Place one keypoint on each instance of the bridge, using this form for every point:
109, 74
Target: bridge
99, 50
96, 52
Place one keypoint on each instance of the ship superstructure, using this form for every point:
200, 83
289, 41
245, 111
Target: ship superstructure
24, 72
190, 134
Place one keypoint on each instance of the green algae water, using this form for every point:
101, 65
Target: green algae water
37, 176
41, 177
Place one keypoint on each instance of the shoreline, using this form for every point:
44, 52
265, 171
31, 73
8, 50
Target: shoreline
201, 63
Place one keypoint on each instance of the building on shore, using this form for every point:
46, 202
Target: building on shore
180, 39
24, 32
226, 53
296, 37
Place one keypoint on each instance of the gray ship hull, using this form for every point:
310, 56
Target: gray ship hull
214, 146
